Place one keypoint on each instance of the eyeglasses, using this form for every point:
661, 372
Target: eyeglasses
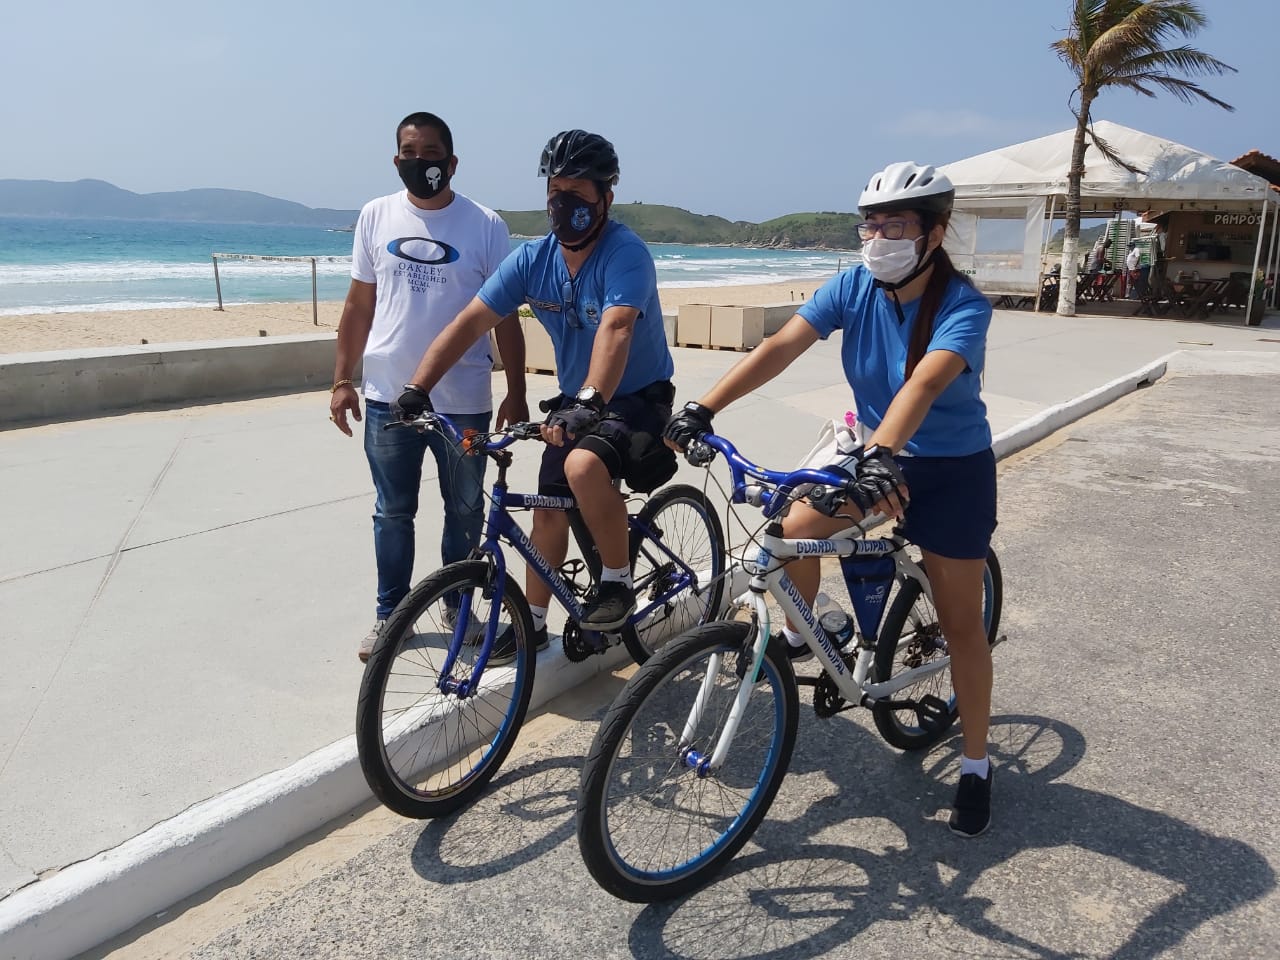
889, 229
570, 311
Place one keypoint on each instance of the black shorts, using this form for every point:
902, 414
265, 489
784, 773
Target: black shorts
628, 440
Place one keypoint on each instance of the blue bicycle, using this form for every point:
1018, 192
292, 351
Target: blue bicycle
435, 717
690, 755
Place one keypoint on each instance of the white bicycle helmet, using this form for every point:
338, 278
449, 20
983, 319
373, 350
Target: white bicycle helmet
907, 186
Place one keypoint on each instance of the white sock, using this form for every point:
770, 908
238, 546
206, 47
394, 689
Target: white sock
539, 617
980, 767
793, 637
616, 575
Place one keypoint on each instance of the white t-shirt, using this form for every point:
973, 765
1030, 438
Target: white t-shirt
427, 265
1133, 260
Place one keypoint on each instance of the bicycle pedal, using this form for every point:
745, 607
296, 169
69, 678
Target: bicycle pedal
934, 713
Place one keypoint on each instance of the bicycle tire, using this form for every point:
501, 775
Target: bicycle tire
911, 632
686, 522
637, 741
424, 752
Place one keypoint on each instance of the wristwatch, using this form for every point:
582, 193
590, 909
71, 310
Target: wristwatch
590, 397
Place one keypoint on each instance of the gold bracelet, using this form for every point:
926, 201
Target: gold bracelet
341, 383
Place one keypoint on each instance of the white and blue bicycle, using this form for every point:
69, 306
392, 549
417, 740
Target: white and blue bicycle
690, 755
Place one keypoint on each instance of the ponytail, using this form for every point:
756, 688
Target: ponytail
935, 289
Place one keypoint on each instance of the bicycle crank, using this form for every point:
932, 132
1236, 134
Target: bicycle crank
580, 644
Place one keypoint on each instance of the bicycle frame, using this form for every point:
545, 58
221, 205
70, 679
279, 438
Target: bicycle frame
768, 577
500, 525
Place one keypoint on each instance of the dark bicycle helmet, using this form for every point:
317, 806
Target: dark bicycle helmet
907, 186
581, 156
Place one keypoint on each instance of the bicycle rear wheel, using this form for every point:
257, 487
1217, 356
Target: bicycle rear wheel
677, 563
911, 637
653, 823
426, 752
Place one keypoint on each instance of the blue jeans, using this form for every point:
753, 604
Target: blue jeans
395, 460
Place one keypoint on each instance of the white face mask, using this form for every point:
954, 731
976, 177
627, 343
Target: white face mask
890, 260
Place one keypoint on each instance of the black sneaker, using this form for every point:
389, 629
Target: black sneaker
972, 813
797, 654
612, 605
504, 647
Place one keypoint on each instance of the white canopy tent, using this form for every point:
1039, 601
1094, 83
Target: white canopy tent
995, 190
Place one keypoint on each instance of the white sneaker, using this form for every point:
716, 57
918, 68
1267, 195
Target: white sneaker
366, 645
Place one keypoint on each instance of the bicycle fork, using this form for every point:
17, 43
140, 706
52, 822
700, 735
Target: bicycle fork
706, 764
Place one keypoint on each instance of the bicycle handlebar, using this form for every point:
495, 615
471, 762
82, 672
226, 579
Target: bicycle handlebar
703, 449
508, 435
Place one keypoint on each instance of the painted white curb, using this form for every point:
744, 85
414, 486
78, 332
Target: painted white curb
1034, 429
92, 901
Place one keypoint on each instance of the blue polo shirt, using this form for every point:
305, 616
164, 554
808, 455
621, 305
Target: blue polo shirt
618, 273
874, 354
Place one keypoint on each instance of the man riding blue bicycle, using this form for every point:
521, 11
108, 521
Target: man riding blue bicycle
592, 284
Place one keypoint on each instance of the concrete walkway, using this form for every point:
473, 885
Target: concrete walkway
183, 590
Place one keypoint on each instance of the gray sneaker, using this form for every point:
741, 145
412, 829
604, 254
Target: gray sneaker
475, 629
366, 645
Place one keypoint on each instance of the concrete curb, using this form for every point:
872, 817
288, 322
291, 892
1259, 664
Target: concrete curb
91, 901
96, 899
1034, 429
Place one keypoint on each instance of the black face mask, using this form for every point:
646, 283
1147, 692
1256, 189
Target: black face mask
574, 221
424, 178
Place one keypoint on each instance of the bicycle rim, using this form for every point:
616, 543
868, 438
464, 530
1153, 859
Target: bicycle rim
661, 828
426, 752
685, 523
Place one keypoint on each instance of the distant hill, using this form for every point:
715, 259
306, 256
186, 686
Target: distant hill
93, 199
657, 223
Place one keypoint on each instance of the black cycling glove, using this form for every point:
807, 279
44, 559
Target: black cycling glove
687, 425
412, 403
575, 419
875, 476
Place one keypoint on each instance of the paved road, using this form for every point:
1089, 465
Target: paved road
182, 591
1136, 771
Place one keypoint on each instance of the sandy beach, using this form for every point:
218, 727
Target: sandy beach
66, 331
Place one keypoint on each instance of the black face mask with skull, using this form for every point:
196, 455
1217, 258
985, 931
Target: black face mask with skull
424, 178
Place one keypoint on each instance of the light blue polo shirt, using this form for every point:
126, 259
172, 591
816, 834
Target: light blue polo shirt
874, 354
618, 273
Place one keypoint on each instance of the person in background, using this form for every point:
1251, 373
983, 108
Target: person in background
418, 256
591, 282
1132, 265
913, 346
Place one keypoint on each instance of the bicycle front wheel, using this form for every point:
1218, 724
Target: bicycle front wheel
655, 819
677, 565
911, 637
425, 750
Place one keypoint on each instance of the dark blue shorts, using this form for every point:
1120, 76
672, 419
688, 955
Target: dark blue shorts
953, 504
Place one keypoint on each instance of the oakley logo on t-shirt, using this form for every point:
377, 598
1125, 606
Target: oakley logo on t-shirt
427, 251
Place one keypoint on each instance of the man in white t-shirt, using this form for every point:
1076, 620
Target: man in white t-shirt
1132, 262
418, 258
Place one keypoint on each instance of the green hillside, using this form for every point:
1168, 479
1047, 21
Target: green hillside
657, 223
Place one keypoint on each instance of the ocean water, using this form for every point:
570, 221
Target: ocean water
49, 266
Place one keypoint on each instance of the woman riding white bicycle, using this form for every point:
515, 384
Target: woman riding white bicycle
914, 346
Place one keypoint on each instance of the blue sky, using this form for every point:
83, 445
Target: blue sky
744, 109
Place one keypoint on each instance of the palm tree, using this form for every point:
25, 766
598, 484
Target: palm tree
1122, 43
